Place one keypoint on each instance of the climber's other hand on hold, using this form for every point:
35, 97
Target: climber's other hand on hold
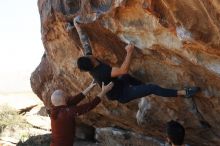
129, 48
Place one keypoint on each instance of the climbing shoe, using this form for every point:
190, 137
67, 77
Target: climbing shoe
190, 91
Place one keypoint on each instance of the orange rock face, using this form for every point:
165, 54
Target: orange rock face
177, 44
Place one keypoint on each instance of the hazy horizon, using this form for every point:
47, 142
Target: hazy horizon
21, 45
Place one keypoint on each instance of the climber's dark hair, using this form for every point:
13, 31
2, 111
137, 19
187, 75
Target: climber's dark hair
84, 63
175, 132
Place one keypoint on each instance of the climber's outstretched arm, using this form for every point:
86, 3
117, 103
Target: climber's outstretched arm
118, 71
83, 38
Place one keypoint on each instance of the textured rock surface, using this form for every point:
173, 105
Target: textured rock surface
119, 137
177, 44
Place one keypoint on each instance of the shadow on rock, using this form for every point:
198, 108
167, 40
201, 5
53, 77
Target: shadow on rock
40, 140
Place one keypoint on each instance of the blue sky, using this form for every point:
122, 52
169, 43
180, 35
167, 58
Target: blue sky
21, 47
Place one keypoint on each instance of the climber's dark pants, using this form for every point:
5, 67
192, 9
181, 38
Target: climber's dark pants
136, 89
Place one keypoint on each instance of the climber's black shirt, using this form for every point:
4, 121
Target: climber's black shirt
102, 73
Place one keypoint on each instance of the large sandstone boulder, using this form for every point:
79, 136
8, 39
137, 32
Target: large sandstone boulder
177, 44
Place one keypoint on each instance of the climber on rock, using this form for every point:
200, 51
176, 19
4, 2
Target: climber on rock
126, 87
65, 111
175, 133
